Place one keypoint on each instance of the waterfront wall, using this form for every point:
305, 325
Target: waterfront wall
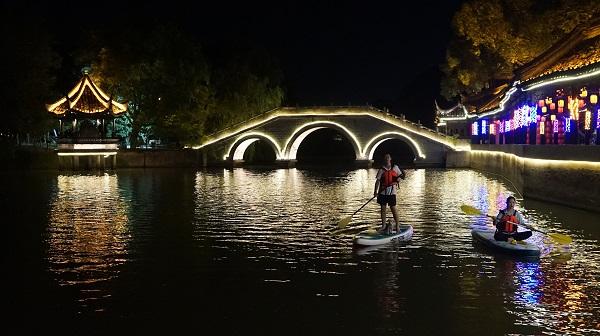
565, 174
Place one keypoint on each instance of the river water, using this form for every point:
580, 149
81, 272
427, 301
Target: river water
252, 251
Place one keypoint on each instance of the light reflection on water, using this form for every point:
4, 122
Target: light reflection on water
183, 231
87, 234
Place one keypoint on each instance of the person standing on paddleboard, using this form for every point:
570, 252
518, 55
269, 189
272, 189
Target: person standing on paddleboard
385, 189
506, 223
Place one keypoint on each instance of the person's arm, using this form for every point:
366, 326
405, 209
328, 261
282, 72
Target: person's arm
520, 218
497, 219
377, 182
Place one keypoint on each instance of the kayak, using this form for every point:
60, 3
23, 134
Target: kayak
372, 237
522, 248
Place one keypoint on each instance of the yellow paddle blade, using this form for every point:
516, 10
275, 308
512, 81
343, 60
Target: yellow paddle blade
561, 238
470, 210
344, 222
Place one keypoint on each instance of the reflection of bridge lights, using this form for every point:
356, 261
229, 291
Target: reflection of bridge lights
387, 136
292, 149
528, 277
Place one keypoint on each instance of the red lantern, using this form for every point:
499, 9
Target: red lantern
552, 106
541, 103
560, 110
581, 103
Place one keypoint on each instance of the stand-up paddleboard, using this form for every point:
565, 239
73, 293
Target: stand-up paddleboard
522, 248
372, 237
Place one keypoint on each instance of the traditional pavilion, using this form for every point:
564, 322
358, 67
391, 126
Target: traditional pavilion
85, 115
551, 100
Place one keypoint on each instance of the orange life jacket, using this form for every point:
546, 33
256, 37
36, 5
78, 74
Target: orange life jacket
388, 178
505, 225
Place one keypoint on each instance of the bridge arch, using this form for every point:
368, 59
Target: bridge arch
293, 143
377, 140
239, 146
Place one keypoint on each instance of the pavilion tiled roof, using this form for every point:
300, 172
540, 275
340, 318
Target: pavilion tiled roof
86, 99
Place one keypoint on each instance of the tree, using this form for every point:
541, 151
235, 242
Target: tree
163, 75
492, 38
246, 83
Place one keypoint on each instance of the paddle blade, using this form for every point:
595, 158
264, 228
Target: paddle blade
470, 210
344, 222
561, 238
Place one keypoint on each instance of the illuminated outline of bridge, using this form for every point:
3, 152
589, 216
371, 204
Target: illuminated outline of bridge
366, 128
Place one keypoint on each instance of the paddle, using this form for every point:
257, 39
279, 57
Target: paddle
344, 221
557, 237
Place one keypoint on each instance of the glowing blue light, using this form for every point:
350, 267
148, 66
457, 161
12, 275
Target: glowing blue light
567, 125
528, 276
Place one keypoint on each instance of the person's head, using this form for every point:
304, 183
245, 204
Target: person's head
510, 202
387, 159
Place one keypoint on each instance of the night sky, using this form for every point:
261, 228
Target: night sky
384, 54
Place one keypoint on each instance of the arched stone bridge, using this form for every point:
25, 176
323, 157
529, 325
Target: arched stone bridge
285, 128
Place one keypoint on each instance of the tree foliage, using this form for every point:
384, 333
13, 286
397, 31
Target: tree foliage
173, 89
492, 38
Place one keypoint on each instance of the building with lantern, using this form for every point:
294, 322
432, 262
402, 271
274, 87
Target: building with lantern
86, 122
552, 100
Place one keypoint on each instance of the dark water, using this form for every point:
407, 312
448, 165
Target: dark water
250, 251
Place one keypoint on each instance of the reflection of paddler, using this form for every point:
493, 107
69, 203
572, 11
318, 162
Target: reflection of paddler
507, 221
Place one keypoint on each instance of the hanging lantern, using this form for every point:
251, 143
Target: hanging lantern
548, 100
583, 93
553, 117
593, 99
544, 109
561, 110
542, 126
561, 103
581, 103
541, 103
552, 106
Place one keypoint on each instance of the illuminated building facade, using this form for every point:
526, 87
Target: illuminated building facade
551, 100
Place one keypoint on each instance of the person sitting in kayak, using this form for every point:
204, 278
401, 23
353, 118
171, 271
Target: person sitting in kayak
506, 223
385, 190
